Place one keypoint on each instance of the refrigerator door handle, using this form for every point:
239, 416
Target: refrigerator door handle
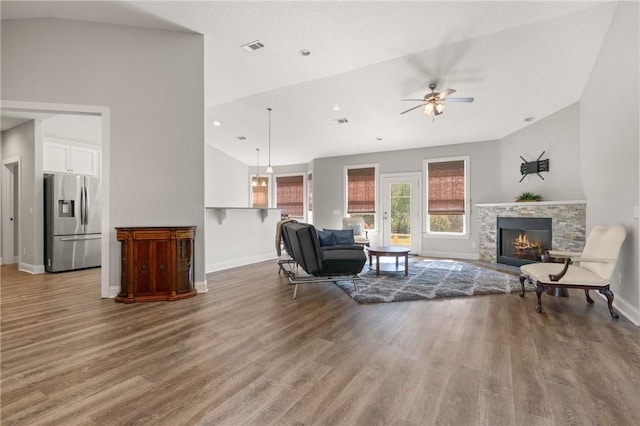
85, 204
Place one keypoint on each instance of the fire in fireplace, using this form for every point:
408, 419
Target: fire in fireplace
522, 240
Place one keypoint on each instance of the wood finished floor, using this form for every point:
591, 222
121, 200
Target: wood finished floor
246, 354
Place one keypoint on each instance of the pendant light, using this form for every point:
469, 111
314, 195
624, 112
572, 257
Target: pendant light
269, 168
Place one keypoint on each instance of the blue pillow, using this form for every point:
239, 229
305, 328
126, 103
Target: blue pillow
343, 236
327, 238
357, 228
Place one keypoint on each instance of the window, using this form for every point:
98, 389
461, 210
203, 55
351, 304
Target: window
361, 194
290, 195
260, 192
446, 196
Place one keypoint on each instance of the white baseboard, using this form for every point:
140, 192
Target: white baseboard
623, 307
201, 286
238, 262
31, 269
113, 291
8, 260
450, 255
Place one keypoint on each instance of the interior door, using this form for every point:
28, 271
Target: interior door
401, 212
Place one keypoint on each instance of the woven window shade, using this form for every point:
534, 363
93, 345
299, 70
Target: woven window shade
290, 195
361, 190
446, 187
310, 192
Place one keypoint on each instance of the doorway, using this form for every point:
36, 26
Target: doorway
401, 210
40, 110
10, 211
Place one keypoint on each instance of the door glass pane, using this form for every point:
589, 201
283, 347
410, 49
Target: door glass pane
400, 214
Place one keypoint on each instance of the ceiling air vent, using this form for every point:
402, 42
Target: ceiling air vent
254, 45
341, 120
241, 138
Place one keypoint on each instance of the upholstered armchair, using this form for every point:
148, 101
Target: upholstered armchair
360, 235
589, 270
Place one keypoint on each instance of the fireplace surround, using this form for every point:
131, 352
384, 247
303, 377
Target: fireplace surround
568, 223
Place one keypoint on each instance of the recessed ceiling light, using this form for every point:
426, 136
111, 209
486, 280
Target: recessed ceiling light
305, 52
336, 108
216, 123
529, 119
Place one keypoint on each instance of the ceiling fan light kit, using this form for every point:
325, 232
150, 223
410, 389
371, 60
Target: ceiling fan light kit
434, 102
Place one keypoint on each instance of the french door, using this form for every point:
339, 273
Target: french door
401, 210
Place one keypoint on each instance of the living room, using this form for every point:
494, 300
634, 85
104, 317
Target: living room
150, 86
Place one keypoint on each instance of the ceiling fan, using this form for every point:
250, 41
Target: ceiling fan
433, 102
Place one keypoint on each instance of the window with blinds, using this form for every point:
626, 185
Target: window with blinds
260, 192
446, 196
290, 195
361, 194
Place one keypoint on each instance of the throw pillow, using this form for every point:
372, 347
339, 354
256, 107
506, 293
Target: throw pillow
343, 236
327, 238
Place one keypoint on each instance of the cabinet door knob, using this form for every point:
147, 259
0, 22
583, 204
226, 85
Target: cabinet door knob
143, 268
162, 267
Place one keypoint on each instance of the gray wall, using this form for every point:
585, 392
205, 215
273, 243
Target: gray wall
153, 83
609, 144
20, 142
484, 161
558, 135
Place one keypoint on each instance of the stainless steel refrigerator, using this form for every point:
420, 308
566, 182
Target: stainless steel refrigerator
72, 225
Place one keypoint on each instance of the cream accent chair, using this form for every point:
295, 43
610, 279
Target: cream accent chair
589, 270
360, 235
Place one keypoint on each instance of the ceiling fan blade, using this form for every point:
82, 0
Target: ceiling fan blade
411, 109
459, 100
417, 100
446, 93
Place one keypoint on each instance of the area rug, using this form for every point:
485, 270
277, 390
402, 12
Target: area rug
430, 279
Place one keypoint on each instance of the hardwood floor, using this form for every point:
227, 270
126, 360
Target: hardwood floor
245, 353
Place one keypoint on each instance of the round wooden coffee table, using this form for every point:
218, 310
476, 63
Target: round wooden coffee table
392, 251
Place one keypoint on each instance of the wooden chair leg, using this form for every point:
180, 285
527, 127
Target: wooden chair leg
589, 299
609, 294
522, 278
539, 291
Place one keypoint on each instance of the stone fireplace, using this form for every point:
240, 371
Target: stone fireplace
568, 229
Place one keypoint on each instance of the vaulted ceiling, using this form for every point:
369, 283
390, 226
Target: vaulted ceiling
517, 59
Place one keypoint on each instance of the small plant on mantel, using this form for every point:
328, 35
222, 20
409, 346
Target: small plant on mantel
528, 196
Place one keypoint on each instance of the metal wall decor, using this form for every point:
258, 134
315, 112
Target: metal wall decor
529, 167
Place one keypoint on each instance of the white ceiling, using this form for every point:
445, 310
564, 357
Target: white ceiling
518, 59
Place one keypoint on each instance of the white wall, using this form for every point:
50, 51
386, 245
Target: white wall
153, 83
226, 180
609, 138
558, 135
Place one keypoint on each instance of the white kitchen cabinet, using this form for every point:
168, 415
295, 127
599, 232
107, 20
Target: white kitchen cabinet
79, 160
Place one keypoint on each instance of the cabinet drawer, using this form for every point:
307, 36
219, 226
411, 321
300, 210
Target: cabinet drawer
159, 234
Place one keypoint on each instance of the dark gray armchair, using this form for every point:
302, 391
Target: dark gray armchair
332, 263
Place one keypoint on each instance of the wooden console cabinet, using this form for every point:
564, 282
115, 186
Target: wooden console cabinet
157, 263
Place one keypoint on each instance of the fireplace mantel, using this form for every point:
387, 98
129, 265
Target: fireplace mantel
530, 203
568, 223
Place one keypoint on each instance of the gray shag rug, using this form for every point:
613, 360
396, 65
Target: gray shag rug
430, 279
